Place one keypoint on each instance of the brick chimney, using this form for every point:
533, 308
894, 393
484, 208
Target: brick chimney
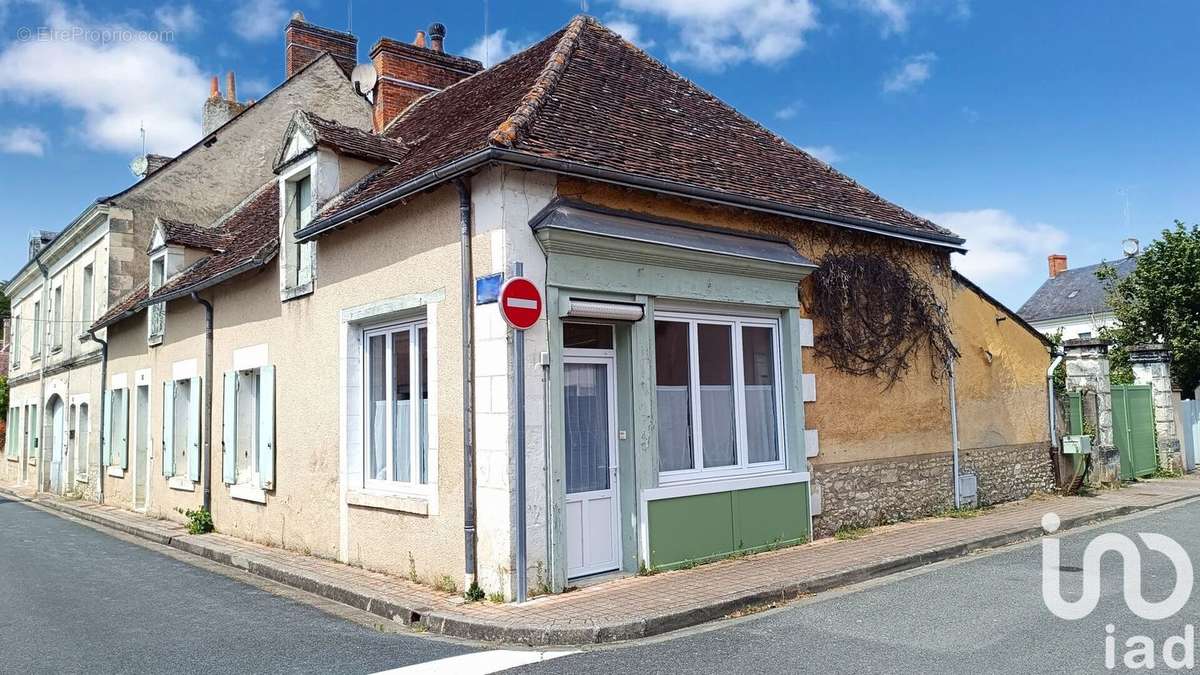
305, 42
1058, 264
409, 71
218, 110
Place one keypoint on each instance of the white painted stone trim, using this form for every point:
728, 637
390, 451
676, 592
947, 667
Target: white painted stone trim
401, 503
812, 443
181, 483
248, 493
724, 485
809, 385
806, 333
116, 471
142, 377
249, 358
119, 381
184, 370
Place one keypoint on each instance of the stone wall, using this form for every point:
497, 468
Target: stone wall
891, 490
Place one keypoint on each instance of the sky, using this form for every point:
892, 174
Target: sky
1029, 128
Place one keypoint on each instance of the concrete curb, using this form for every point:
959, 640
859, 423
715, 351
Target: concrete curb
455, 624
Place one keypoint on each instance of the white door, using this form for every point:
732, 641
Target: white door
592, 520
58, 441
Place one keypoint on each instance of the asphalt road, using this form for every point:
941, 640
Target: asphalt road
983, 614
77, 600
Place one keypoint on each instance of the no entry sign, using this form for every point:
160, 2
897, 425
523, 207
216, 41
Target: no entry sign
520, 303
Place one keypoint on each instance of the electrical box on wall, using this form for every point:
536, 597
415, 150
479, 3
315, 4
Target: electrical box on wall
1077, 445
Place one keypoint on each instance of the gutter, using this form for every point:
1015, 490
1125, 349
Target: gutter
1058, 357
954, 434
206, 452
526, 160
470, 582
103, 405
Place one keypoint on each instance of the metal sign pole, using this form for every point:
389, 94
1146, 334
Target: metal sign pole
519, 366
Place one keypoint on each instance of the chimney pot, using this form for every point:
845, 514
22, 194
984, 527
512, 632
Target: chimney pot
437, 37
1058, 264
231, 88
420, 39
214, 90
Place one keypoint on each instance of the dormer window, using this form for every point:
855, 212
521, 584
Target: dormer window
157, 313
298, 258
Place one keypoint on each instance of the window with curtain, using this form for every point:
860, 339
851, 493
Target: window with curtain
718, 393
396, 368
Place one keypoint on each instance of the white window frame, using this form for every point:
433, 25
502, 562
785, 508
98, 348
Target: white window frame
254, 480
414, 486
37, 331
743, 467
87, 296
296, 281
16, 341
57, 317
156, 314
83, 438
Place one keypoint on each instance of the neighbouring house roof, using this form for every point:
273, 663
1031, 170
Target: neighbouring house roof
958, 276
177, 233
1074, 292
251, 236
585, 101
345, 140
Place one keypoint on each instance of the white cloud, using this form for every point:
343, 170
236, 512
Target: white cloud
894, 14
178, 18
911, 74
494, 48
716, 34
789, 111
23, 140
260, 19
825, 153
1005, 256
630, 31
114, 86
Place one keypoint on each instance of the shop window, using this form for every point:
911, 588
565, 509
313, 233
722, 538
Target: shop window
396, 371
718, 395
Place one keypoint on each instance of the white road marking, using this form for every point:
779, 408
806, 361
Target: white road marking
479, 663
521, 303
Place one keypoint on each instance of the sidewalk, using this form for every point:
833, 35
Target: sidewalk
637, 607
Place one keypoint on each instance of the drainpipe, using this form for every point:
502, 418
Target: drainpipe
206, 453
954, 432
468, 389
41, 324
103, 405
1058, 357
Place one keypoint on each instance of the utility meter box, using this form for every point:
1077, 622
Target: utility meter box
1077, 445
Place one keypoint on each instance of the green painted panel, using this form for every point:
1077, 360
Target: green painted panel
770, 515
1076, 416
1133, 430
690, 528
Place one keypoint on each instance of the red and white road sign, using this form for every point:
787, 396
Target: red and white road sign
520, 303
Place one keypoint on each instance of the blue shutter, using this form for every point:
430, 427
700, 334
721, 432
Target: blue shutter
229, 428
106, 451
168, 427
122, 448
266, 427
193, 436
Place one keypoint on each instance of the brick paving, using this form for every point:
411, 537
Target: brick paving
634, 607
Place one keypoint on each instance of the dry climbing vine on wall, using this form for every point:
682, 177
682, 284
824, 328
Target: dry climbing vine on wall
877, 316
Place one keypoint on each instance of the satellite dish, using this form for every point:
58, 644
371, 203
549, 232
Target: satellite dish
364, 78
1131, 247
139, 166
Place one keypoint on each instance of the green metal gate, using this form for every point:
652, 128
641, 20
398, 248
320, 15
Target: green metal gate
1133, 429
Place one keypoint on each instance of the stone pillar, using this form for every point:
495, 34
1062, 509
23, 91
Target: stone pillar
1152, 365
1086, 361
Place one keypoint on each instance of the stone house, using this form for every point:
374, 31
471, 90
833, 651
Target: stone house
313, 361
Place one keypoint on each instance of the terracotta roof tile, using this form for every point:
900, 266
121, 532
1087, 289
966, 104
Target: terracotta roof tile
192, 236
356, 142
125, 305
585, 95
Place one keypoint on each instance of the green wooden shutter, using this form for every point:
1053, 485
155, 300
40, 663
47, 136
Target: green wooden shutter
193, 436
266, 426
168, 427
229, 429
122, 447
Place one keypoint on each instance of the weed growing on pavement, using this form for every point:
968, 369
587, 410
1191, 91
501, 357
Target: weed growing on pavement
474, 593
199, 520
445, 584
540, 585
1163, 472
963, 512
412, 569
848, 532
497, 598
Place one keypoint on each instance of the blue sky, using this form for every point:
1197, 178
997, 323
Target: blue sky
1029, 128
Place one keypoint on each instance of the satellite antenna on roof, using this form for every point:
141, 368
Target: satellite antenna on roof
364, 78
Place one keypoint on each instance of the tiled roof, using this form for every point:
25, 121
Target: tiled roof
251, 235
355, 142
1075, 292
192, 236
586, 96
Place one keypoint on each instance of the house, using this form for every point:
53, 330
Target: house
314, 364
1074, 301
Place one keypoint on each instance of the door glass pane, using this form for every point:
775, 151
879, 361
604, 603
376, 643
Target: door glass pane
423, 360
587, 336
402, 414
716, 394
586, 393
377, 407
758, 361
672, 387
